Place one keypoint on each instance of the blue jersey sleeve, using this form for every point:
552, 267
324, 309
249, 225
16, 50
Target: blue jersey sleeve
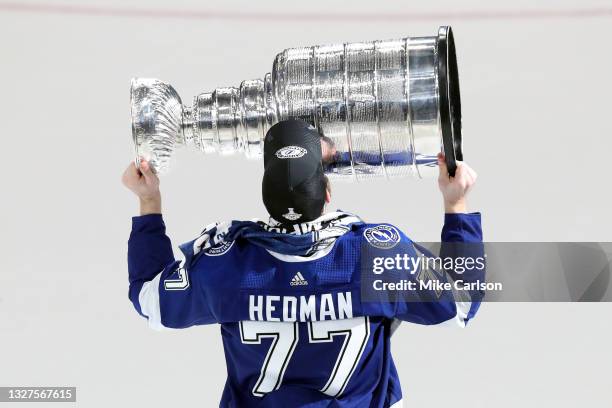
461, 239
462, 228
438, 293
149, 252
161, 288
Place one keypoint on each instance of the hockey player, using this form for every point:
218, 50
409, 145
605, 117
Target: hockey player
299, 326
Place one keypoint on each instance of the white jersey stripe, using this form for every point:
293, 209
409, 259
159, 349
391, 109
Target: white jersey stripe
148, 298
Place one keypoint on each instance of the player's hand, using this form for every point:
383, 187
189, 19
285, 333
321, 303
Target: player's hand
455, 189
145, 184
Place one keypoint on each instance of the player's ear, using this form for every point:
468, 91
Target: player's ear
327, 191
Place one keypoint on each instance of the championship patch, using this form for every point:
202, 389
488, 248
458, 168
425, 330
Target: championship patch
382, 236
291, 215
219, 249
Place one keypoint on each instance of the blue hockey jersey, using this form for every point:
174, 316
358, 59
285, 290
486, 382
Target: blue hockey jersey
298, 328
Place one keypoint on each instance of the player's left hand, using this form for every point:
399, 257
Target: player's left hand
141, 181
455, 189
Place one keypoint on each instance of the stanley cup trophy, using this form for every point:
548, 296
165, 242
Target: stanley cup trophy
383, 108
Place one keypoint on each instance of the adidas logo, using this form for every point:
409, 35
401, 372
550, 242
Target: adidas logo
298, 280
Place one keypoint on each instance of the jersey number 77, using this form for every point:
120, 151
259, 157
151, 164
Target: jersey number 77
285, 337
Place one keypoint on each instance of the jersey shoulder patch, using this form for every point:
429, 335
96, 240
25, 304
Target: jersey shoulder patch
381, 235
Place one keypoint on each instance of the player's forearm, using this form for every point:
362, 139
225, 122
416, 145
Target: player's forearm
462, 241
150, 205
149, 251
149, 248
457, 207
462, 227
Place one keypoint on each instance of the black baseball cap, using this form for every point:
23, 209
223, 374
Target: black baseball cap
293, 185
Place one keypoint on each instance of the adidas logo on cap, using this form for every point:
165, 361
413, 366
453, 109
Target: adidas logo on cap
298, 280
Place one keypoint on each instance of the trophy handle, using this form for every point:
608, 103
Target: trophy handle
157, 121
450, 99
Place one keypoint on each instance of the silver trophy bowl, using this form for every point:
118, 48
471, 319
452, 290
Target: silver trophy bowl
383, 108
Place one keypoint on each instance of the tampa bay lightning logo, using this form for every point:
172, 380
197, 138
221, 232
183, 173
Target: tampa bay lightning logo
290, 152
382, 236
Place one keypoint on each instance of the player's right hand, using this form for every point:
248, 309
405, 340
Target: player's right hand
455, 189
143, 182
